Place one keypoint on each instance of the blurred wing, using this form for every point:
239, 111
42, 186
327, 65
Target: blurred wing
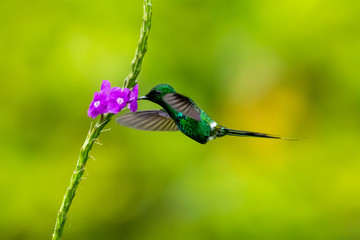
183, 104
150, 120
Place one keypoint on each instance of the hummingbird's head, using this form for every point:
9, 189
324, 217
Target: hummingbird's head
157, 93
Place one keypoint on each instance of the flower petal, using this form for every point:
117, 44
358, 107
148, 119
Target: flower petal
118, 98
134, 93
133, 106
126, 92
98, 105
105, 86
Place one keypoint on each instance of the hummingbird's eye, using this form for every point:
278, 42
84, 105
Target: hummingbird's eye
158, 92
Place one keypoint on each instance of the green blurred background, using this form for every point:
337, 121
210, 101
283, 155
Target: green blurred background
284, 67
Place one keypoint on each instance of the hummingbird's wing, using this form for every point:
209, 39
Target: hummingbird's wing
149, 120
183, 104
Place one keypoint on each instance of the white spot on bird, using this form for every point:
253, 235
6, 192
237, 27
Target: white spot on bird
211, 138
213, 125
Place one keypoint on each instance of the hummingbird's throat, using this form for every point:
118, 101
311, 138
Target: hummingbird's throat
214, 131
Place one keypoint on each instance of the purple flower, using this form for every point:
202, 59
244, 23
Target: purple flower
113, 100
105, 86
118, 98
133, 106
100, 101
98, 105
133, 99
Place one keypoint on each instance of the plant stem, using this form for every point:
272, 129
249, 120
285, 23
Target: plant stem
130, 80
94, 132
77, 174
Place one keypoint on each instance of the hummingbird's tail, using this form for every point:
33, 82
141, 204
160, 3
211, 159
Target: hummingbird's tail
226, 131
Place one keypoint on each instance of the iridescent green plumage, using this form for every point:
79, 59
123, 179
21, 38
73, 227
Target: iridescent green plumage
179, 113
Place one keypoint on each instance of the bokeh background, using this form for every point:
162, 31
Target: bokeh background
283, 67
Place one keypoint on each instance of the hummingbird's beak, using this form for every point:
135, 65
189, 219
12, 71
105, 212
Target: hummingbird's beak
142, 98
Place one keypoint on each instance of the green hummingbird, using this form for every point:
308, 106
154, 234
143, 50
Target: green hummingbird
179, 113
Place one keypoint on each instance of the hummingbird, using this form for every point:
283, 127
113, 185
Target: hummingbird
180, 113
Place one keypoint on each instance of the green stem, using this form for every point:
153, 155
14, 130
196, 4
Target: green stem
94, 132
77, 174
130, 80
